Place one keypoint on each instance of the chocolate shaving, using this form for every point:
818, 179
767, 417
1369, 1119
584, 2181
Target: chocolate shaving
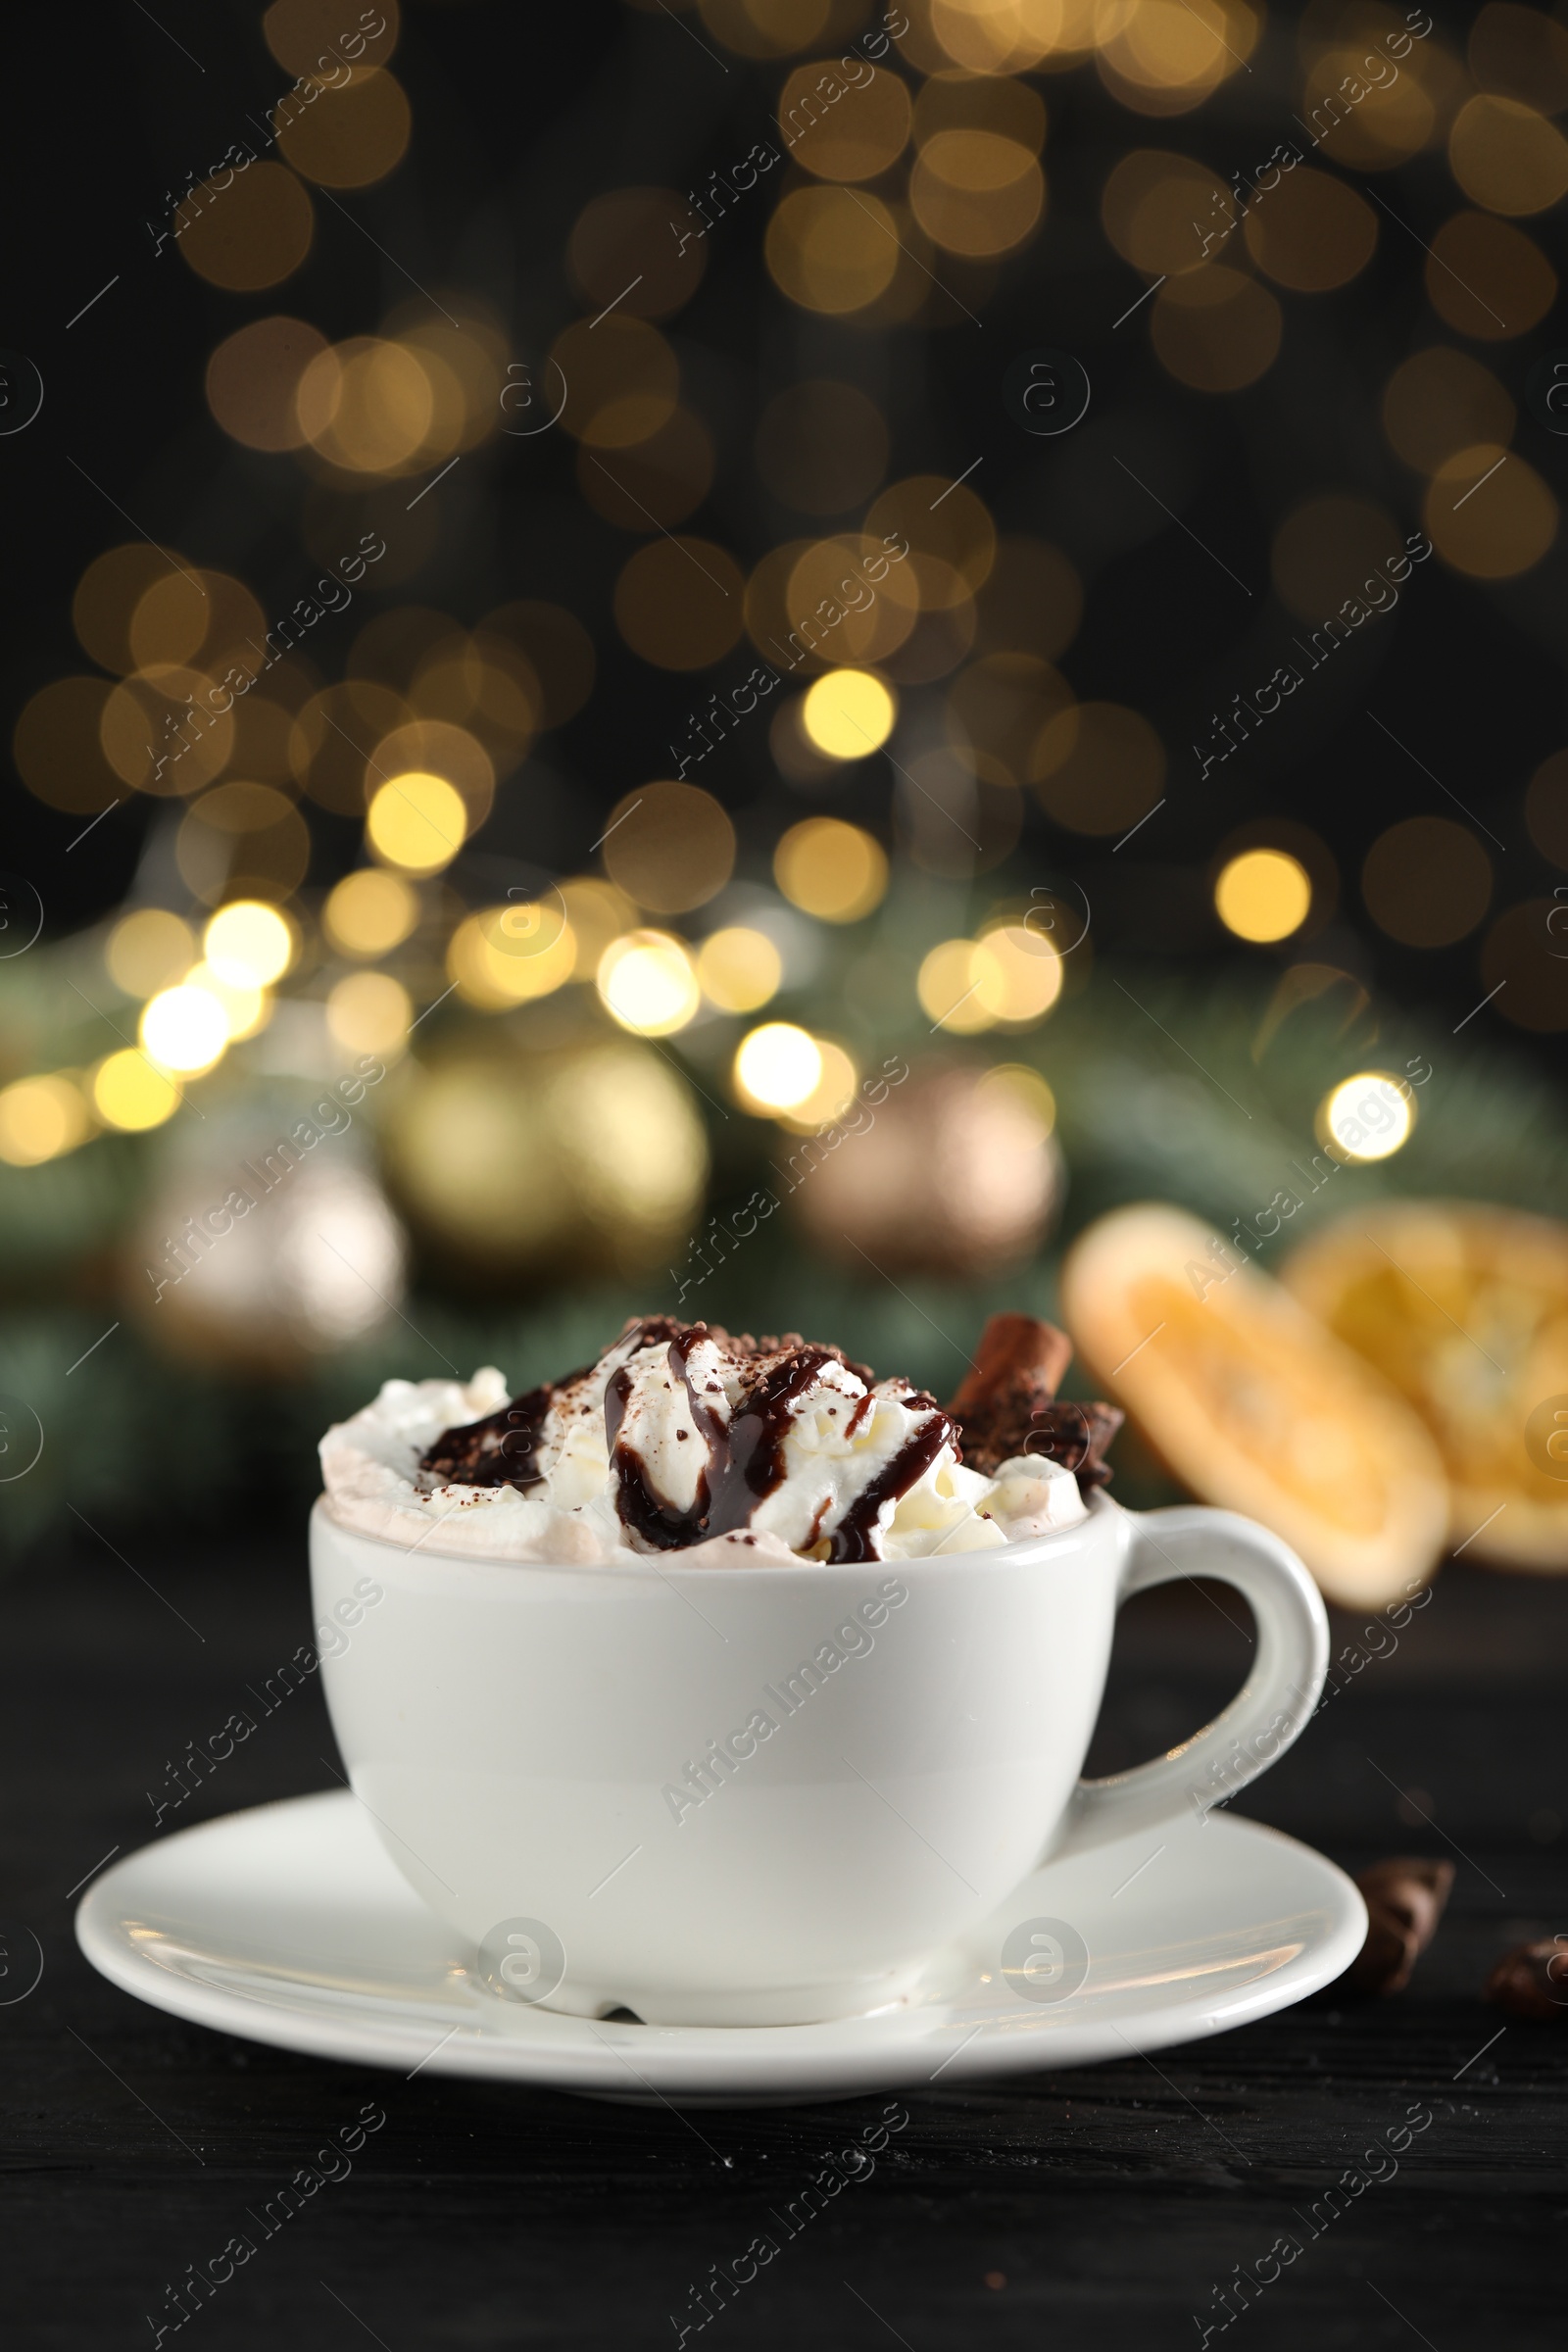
1008, 1404
1405, 1901
1531, 1981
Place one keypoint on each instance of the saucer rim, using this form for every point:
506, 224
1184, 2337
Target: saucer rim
845, 2058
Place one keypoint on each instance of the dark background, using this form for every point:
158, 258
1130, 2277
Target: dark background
1094, 2210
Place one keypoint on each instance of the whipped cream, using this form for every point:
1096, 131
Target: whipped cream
681, 1439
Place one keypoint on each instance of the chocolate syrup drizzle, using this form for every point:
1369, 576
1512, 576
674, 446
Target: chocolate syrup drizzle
745, 1456
746, 1460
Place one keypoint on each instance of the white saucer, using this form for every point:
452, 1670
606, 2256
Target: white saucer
290, 1924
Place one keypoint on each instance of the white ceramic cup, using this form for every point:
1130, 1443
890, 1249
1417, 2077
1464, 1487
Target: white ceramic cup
768, 1795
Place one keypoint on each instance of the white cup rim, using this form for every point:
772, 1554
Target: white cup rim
644, 1568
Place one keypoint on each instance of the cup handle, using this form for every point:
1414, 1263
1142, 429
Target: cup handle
1273, 1705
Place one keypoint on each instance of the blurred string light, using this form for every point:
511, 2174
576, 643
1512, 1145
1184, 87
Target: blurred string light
669, 846
739, 969
830, 1097
834, 870
1263, 895
1366, 1118
149, 950
131, 1093
512, 955
416, 822
777, 1067
185, 1029
248, 944
370, 912
1008, 977
41, 1119
849, 713
370, 1013
647, 983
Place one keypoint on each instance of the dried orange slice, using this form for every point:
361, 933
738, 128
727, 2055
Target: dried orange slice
1254, 1405
1465, 1308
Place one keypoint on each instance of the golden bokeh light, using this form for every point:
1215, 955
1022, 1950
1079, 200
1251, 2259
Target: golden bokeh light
370, 1013
1370, 136
996, 711
844, 131
959, 101
1215, 330
249, 234
849, 713
246, 1008
739, 969
669, 846
1016, 972
1327, 549
1506, 157
41, 1119
1441, 400
248, 944
253, 378
1264, 896
242, 840
1097, 767
1311, 233
597, 913
777, 1067
822, 446
948, 531
148, 951
976, 192
1488, 514
310, 36
1366, 1118
370, 912
1158, 207
131, 1093
645, 982
512, 955
622, 380
1427, 881
416, 822
1546, 810
830, 1097
947, 987
326, 740
352, 134
1523, 966
1486, 278
1018, 1085
991, 37
1164, 57
58, 747
367, 404
680, 603
435, 747
108, 593
831, 249
764, 29
162, 731
184, 1029
834, 870
832, 589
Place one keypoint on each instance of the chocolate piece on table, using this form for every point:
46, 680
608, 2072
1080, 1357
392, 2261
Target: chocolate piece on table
1405, 1901
1008, 1405
1531, 1981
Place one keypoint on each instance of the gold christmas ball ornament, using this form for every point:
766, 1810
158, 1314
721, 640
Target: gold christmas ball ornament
956, 1171
267, 1244
529, 1165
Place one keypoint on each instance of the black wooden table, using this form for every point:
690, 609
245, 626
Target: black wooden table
1092, 2209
